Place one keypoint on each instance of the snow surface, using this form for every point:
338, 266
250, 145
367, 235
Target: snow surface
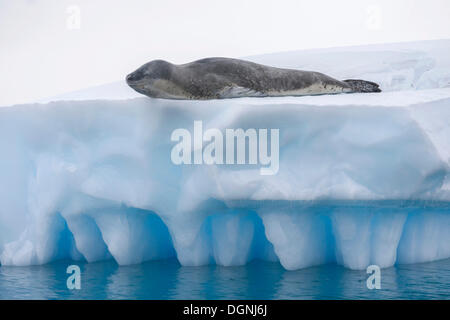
363, 178
395, 66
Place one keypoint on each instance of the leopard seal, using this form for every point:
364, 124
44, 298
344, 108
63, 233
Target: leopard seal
220, 78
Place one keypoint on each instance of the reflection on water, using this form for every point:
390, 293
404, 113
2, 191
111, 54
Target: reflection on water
166, 279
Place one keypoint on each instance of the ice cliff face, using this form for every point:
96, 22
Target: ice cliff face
362, 179
356, 184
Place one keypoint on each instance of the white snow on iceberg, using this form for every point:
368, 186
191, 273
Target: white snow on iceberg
363, 178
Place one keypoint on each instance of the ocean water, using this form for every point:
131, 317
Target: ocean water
166, 279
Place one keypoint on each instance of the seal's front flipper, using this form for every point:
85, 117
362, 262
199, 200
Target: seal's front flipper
362, 85
238, 92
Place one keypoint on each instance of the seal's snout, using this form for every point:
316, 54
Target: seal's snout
136, 81
135, 77
131, 78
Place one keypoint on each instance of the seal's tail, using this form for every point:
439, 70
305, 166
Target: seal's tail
362, 85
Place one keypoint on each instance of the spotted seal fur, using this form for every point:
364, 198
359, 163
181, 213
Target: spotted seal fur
219, 78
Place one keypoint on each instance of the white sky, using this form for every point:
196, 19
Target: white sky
43, 52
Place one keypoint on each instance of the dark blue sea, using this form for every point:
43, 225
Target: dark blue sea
166, 279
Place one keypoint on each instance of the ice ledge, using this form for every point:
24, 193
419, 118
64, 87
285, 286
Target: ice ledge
94, 180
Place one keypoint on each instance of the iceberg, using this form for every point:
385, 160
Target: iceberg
362, 178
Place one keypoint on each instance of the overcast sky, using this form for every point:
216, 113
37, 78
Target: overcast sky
50, 47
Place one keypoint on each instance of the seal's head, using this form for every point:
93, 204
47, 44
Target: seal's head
153, 79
